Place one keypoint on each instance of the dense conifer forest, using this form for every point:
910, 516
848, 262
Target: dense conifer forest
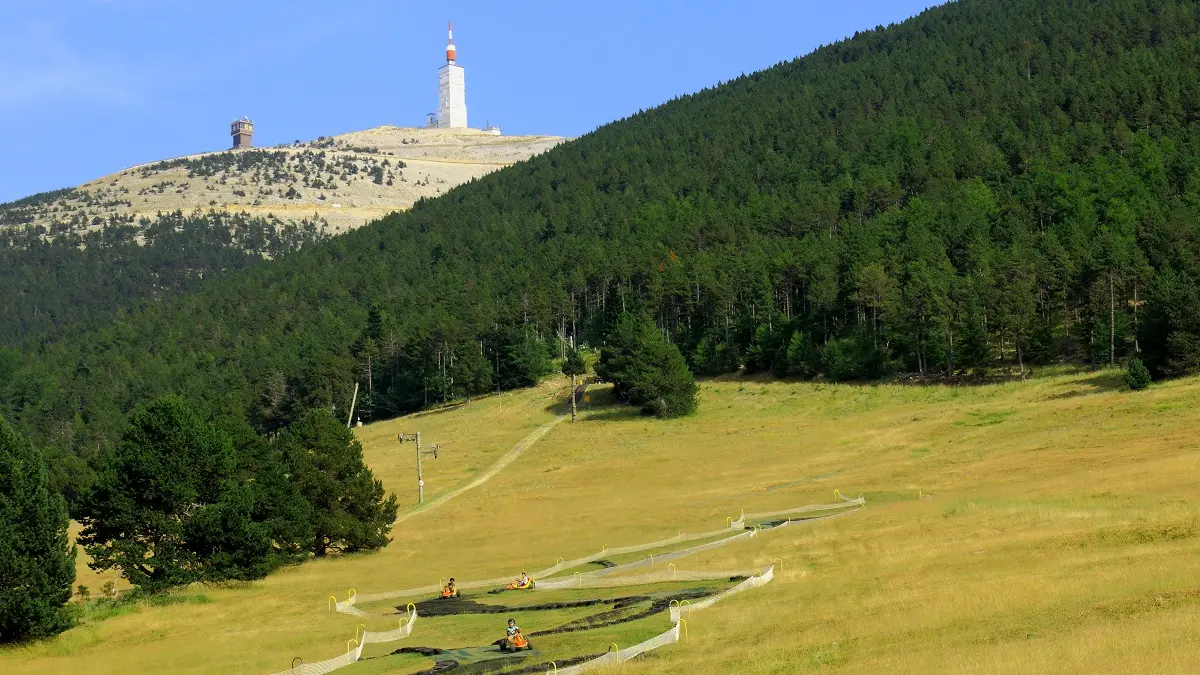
992, 184
50, 283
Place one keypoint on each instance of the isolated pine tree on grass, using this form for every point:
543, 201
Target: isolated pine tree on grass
646, 370
1137, 376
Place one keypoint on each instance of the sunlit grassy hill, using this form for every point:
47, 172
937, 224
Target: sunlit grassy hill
1040, 526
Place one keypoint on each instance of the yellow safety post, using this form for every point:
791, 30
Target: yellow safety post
673, 603
363, 626
350, 645
555, 665
332, 603
410, 608
778, 560
560, 561
684, 629
615, 648
681, 604
651, 557
351, 594
837, 493
671, 569
578, 576
403, 620
728, 521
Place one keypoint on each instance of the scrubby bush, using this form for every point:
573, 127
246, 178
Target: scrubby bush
1137, 376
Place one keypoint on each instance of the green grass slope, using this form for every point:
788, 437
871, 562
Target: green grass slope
1029, 527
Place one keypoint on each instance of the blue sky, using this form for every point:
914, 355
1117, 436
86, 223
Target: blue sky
88, 87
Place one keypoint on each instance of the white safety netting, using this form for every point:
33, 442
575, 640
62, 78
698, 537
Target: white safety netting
641, 579
404, 630
672, 635
645, 562
594, 579
352, 655
682, 610
422, 590
322, 667
811, 508
348, 606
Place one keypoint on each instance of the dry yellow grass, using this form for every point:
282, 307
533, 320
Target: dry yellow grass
1057, 533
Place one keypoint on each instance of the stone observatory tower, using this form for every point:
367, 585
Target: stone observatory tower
452, 90
243, 133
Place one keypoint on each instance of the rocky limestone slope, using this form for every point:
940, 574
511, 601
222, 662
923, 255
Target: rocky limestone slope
341, 182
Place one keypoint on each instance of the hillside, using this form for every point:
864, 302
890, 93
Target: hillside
986, 186
345, 180
72, 258
1030, 527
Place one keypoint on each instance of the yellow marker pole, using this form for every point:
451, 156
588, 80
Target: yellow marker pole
350, 644
837, 494
351, 594
578, 576
651, 557
778, 560
673, 603
410, 608
363, 626
683, 626
681, 604
555, 665
615, 648
671, 569
332, 603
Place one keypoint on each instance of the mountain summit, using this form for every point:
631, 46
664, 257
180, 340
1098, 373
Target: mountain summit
345, 181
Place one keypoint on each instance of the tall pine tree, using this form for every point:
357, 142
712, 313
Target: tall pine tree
37, 562
350, 512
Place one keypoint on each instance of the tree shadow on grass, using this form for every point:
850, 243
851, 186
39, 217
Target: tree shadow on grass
1098, 383
596, 404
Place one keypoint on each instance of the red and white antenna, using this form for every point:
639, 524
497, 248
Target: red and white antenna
450, 42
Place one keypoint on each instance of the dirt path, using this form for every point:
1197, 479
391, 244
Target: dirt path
506, 459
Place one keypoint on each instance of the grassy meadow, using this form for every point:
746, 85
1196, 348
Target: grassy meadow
1026, 527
